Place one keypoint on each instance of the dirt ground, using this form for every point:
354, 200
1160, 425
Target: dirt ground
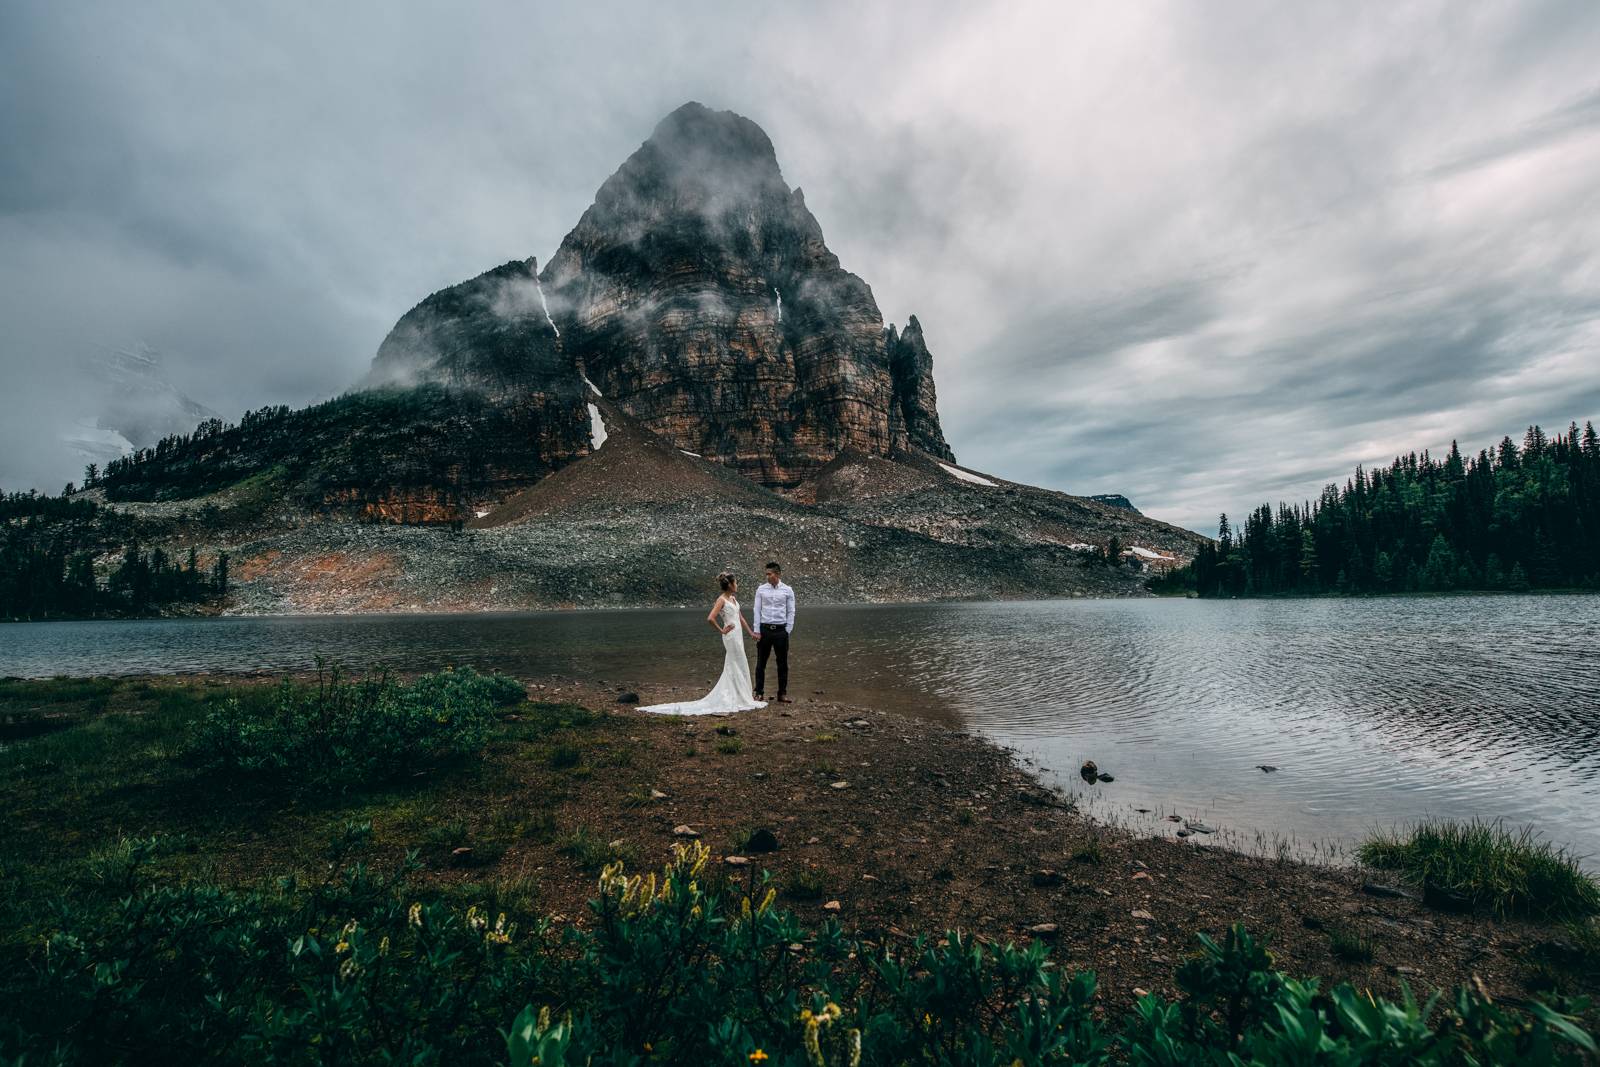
899, 826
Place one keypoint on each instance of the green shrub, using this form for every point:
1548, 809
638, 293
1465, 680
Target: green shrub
342, 733
355, 970
675, 967
1481, 864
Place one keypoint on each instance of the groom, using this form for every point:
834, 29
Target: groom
774, 617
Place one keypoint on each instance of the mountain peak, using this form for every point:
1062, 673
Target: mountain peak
696, 159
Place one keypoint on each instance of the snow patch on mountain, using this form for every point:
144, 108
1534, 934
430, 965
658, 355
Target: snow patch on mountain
968, 476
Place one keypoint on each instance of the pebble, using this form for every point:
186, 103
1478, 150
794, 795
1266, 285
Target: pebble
1140, 913
1265, 768
839, 785
1044, 930
736, 861
832, 905
1141, 876
1046, 877
685, 830
626, 698
656, 794
762, 840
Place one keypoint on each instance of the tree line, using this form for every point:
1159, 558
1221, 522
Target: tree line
48, 547
1509, 518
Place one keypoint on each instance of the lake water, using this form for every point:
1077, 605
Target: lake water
1375, 712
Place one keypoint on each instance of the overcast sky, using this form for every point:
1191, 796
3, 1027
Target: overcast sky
1205, 254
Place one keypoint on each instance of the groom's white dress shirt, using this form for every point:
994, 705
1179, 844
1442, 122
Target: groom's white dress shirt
774, 606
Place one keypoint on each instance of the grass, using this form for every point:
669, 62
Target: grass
804, 884
114, 785
730, 746
591, 851
1090, 852
1484, 865
1351, 946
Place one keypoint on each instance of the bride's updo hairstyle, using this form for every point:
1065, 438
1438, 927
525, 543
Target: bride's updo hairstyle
725, 579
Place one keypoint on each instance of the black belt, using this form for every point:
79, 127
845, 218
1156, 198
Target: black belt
774, 626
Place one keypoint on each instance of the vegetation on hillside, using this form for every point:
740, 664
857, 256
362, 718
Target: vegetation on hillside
426, 436
1510, 518
48, 552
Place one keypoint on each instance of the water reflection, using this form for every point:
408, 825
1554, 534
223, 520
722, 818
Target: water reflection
1374, 711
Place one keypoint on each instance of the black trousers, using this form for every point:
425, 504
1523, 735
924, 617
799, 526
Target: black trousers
774, 637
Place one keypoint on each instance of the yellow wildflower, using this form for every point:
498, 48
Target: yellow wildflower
383, 946
757, 1056
812, 1042
766, 901
414, 916
855, 1048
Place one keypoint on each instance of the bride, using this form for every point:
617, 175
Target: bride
732, 692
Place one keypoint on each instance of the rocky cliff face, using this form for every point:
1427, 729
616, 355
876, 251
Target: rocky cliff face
699, 296
914, 416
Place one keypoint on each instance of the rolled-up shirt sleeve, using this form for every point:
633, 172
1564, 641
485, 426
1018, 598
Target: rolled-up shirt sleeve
789, 624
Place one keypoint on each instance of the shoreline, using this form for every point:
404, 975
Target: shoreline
892, 824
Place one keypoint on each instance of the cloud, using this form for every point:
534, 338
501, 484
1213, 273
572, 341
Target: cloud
1206, 255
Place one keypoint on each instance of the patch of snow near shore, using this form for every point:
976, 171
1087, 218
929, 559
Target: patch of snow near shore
597, 428
1079, 546
481, 513
686, 452
591, 385
968, 476
1145, 553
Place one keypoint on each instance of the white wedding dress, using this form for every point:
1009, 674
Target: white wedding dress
732, 692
